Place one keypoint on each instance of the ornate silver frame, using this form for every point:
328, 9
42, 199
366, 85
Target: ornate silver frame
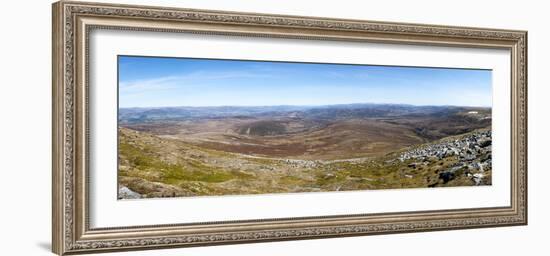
72, 22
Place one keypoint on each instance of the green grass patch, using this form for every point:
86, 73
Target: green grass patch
141, 160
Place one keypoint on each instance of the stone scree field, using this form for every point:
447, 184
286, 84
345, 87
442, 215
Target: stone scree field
207, 152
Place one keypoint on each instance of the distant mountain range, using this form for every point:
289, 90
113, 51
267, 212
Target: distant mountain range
324, 112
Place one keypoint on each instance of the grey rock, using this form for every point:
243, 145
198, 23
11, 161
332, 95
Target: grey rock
126, 193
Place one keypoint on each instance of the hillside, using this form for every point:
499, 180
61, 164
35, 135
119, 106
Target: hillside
308, 133
160, 166
318, 113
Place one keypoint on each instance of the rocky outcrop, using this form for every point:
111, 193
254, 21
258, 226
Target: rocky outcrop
473, 153
126, 193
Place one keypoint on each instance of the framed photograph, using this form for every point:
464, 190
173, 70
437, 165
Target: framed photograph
179, 127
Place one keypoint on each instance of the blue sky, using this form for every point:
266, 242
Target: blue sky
161, 82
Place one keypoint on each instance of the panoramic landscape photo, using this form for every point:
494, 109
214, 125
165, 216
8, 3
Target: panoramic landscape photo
209, 127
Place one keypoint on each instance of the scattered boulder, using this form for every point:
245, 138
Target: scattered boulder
329, 176
126, 193
484, 142
477, 178
446, 176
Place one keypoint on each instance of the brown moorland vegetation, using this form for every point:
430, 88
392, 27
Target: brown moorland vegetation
290, 151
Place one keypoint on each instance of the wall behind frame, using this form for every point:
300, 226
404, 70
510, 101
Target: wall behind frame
25, 130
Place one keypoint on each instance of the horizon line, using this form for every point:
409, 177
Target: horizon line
297, 105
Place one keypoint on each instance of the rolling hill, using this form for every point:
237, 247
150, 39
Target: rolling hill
152, 166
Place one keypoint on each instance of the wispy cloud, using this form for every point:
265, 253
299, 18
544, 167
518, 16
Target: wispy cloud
177, 81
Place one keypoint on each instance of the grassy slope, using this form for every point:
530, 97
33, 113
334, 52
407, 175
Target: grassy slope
160, 167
